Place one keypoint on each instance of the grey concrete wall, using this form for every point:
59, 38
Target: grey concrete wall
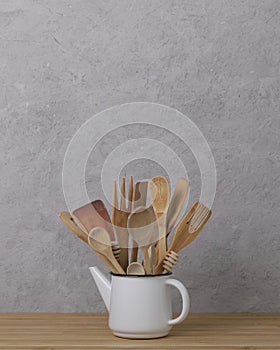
216, 61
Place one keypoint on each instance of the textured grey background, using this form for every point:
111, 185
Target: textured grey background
216, 61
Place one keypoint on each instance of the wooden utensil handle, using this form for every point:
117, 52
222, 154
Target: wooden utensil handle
134, 252
161, 246
66, 218
116, 265
146, 258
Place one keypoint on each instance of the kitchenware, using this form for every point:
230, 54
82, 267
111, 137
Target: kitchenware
159, 191
130, 195
142, 226
140, 194
92, 215
100, 242
139, 200
140, 306
119, 220
116, 250
169, 262
152, 257
187, 229
135, 268
66, 218
176, 203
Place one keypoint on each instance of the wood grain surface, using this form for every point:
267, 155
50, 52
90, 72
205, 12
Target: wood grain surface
90, 331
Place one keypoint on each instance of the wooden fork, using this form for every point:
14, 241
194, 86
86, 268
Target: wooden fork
120, 213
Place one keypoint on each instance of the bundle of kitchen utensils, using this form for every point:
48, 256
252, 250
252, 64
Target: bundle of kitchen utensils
135, 239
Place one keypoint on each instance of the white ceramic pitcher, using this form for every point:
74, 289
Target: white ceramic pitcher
140, 306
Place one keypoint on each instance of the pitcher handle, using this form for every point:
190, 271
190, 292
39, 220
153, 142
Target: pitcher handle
185, 299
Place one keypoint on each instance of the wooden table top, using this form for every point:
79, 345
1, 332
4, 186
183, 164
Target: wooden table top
90, 331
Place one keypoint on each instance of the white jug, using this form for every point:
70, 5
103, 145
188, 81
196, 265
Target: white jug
140, 306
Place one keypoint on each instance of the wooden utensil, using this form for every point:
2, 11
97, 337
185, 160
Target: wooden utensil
92, 215
170, 261
159, 191
135, 268
139, 200
152, 257
67, 219
119, 219
140, 194
176, 203
100, 242
116, 250
142, 226
188, 229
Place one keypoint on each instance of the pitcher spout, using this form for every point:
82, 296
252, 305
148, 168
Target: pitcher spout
103, 285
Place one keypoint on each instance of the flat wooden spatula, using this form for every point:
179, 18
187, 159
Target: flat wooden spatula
93, 215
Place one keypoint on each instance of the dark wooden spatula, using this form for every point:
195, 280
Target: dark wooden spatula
93, 215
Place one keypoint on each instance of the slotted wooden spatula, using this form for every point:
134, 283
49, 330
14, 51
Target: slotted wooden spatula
187, 229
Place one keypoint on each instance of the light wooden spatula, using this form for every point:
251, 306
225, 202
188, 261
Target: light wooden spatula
142, 226
176, 203
139, 200
159, 191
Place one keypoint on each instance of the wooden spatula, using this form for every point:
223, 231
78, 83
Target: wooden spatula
92, 215
176, 203
139, 200
142, 226
187, 229
159, 191
66, 218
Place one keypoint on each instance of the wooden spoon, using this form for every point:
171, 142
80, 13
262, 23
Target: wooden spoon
159, 190
176, 203
135, 268
70, 223
99, 240
188, 229
142, 226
